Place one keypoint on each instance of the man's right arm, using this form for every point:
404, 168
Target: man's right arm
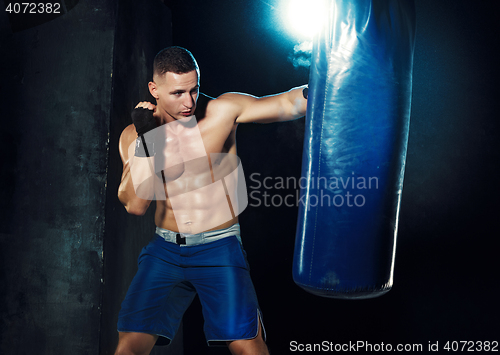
126, 192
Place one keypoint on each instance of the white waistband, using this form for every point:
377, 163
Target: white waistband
199, 238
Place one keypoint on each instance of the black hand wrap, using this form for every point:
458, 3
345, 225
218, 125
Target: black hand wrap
144, 122
305, 92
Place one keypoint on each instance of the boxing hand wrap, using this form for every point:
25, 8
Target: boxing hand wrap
143, 120
305, 92
144, 123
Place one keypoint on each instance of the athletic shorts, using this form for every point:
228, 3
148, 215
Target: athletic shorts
168, 279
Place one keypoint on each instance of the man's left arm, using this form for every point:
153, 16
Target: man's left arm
286, 106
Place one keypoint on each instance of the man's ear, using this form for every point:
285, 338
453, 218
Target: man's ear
153, 89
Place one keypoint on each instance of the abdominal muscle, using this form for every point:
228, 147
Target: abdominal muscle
194, 199
195, 211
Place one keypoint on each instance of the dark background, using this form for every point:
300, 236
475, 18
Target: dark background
445, 283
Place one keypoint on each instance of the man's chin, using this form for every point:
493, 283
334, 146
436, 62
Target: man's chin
184, 117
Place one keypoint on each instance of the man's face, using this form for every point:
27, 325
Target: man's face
176, 94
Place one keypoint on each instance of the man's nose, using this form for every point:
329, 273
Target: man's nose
188, 101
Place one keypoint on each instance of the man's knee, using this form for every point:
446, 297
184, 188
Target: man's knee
256, 346
135, 343
248, 347
123, 351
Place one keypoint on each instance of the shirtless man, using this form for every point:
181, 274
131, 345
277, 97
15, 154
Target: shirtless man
172, 269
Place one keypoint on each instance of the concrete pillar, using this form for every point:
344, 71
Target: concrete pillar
67, 247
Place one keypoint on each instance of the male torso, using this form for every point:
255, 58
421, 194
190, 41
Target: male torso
217, 128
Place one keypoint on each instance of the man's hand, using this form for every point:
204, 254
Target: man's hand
142, 163
143, 117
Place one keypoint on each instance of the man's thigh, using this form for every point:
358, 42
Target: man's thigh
157, 297
227, 295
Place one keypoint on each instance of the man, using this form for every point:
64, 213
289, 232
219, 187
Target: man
184, 260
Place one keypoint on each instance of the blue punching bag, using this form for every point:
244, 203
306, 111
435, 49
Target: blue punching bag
354, 153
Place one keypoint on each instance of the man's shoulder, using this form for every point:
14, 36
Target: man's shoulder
127, 137
229, 104
128, 133
212, 107
234, 98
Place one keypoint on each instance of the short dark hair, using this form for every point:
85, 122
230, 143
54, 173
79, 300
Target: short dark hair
174, 59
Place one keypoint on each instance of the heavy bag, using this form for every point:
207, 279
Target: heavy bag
354, 152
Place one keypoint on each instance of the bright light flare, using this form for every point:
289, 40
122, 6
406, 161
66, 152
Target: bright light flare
305, 17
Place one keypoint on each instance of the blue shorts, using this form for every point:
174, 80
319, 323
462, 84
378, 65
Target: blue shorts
168, 279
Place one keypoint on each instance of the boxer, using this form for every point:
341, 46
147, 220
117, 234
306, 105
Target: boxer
197, 246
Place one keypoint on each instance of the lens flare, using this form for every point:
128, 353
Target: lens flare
305, 17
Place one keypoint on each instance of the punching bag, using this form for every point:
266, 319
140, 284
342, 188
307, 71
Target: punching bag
354, 152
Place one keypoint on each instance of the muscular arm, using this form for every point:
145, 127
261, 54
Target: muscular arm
286, 106
126, 193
